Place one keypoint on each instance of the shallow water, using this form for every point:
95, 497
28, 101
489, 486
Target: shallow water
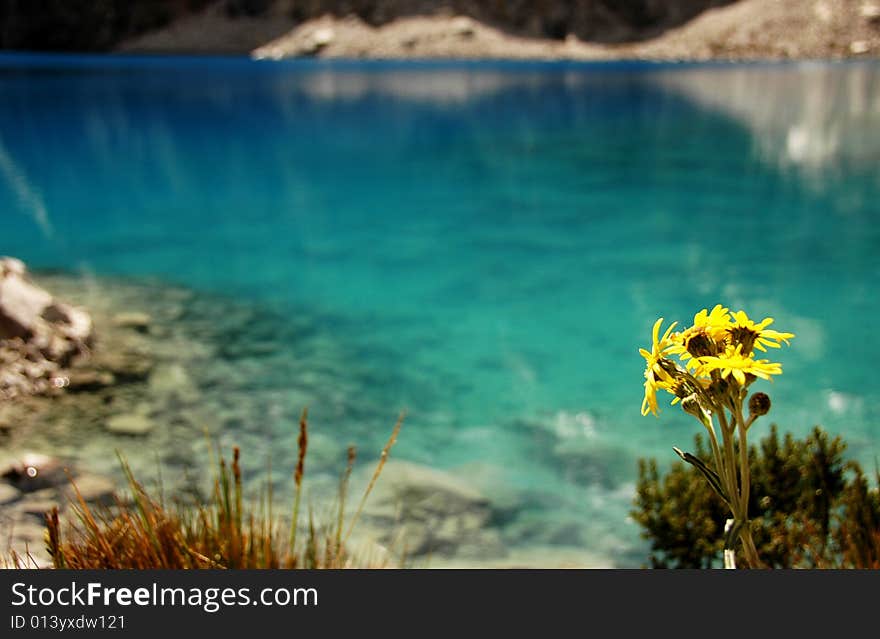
485, 245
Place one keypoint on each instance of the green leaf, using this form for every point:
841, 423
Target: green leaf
710, 475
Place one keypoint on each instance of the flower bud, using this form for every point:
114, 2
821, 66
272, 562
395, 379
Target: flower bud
691, 406
759, 404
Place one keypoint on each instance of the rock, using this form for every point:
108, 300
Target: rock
870, 12
11, 266
21, 303
592, 463
423, 511
38, 334
36, 508
172, 381
34, 471
859, 47
463, 27
317, 40
94, 489
26, 310
7, 420
323, 36
130, 424
85, 380
409, 41
125, 365
539, 528
8, 493
74, 323
134, 320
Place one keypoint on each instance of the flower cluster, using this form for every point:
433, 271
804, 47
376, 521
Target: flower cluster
716, 359
716, 365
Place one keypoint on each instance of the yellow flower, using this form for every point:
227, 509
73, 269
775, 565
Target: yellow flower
656, 373
715, 322
734, 362
705, 337
746, 333
694, 343
649, 403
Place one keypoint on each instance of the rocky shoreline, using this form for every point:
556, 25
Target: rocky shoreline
683, 30
455, 29
168, 374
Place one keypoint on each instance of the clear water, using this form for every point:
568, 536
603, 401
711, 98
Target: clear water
490, 243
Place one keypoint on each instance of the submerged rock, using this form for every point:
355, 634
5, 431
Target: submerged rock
87, 380
421, 511
30, 472
125, 365
94, 489
8, 493
171, 381
134, 320
130, 424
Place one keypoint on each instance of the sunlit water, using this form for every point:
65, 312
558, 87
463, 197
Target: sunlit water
486, 244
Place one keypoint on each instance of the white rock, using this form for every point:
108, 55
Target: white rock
21, 305
870, 11
463, 26
29, 313
12, 266
323, 36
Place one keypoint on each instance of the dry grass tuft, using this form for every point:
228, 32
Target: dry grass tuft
146, 533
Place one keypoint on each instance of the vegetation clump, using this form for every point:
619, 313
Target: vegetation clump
810, 507
145, 532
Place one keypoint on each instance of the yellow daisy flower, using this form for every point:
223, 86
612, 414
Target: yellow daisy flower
692, 344
734, 362
705, 337
649, 403
746, 333
715, 322
656, 376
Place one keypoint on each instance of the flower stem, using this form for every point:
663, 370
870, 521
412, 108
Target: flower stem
729, 463
749, 549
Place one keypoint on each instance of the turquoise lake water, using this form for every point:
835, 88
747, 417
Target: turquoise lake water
488, 244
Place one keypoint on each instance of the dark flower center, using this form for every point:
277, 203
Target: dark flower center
701, 345
745, 337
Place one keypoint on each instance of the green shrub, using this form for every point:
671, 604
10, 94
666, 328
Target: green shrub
809, 507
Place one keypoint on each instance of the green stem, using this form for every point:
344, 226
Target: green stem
729, 463
745, 474
749, 548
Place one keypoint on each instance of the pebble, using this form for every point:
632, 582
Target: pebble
130, 424
82, 380
134, 320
